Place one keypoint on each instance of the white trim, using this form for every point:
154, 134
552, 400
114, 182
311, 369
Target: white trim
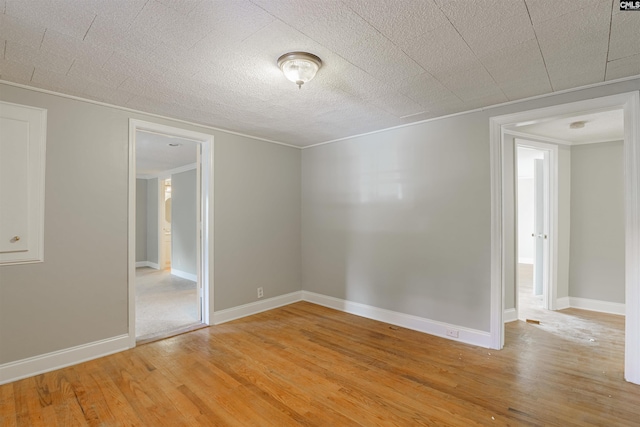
91, 101
131, 110
169, 172
523, 135
206, 142
184, 275
476, 110
497, 270
630, 102
597, 305
420, 324
523, 260
556, 140
510, 315
150, 264
131, 237
31, 366
599, 141
632, 240
229, 314
562, 303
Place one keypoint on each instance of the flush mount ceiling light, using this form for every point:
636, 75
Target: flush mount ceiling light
577, 125
299, 67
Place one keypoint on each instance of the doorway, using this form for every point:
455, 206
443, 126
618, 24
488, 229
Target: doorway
533, 219
629, 103
169, 292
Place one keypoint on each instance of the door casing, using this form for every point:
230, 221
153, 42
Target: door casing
205, 209
630, 103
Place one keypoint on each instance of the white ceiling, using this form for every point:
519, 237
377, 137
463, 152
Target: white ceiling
155, 155
386, 62
600, 126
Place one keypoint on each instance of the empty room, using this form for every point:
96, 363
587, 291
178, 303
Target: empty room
322, 213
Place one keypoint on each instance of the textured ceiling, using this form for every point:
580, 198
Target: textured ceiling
386, 62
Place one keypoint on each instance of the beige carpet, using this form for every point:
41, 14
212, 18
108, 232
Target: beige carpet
164, 303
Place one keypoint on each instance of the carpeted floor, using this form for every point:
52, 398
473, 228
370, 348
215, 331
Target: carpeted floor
163, 302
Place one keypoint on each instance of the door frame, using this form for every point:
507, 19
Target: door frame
205, 227
550, 288
630, 103
161, 220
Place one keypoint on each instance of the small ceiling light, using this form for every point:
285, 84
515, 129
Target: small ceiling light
299, 67
174, 144
577, 125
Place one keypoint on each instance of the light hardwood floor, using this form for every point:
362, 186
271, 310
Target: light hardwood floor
304, 364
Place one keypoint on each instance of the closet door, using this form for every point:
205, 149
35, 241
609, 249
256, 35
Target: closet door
22, 160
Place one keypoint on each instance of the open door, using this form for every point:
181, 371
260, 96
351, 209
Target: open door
541, 228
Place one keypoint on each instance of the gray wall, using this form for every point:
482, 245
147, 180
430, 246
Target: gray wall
79, 294
597, 222
141, 220
401, 219
257, 221
152, 220
184, 219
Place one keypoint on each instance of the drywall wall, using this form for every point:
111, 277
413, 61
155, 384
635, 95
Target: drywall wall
597, 222
401, 219
141, 220
153, 188
257, 221
184, 222
79, 294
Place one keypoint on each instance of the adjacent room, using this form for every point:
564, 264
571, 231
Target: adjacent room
327, 213
167, 249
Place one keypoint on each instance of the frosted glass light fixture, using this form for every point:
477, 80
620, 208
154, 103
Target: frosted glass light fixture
299, 67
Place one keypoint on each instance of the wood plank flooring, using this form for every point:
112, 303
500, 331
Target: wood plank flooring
306, 365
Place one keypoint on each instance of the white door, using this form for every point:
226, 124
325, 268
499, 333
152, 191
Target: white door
538, 226
541, 217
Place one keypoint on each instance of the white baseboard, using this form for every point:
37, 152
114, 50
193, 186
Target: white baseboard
597, 305
522, 260
420, 324
234, 313
147, 264
25, 368
510, 315
14, 371
184, 275
562, 303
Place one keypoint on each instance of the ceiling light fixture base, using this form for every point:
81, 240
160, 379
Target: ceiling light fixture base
299, 67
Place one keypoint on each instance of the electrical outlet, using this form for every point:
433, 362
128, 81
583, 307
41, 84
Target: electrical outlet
261, 293
452, 333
